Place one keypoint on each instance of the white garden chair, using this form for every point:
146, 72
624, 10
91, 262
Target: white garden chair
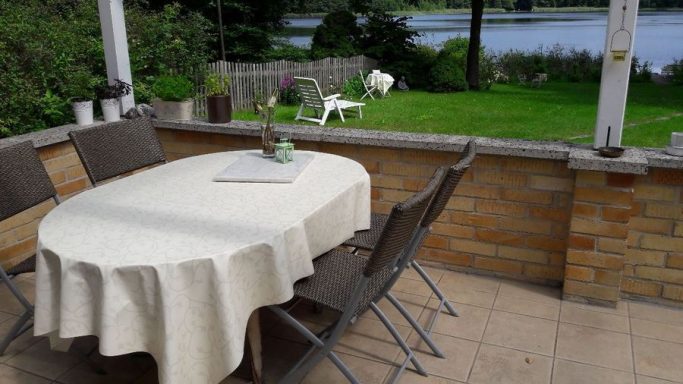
369, 87
311, 97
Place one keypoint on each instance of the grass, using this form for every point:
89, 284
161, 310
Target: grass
557, 111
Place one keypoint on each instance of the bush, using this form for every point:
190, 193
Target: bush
46, 61
283, 50
354, 87
560, 64
173, 88
677, 72
447, 74
288, 93
640, 73
217, 84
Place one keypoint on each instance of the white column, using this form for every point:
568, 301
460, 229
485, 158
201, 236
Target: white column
116, 46
615, 75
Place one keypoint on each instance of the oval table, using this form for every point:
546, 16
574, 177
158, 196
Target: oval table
169, 262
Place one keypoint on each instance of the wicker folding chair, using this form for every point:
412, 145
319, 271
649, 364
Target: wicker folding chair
351, 284
24, 184
367, 240
111, 150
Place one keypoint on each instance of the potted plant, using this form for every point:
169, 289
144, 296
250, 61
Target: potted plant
109, 99
174, 97
218, 100
80, 88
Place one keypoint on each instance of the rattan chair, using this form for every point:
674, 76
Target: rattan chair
24, 184
367, 240
351, 284
110, 150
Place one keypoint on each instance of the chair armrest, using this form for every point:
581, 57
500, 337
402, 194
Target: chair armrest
331, 97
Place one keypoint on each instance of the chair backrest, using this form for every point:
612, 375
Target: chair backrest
445, 191
24, 182
362, 78
113, 149
401, 224
310, 92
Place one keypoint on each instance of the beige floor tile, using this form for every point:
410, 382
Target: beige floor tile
655, 330
42, 361
370, 339
498, 365
569, 372
459, 356
9, 375
469, 325
413, 303
656, 313
6, 316
9, 303
541, 294
410, 377
651, 380
19, 344
658, 358
594, 346
573, 315
521, 332
527, 307
463, 296
434, 273
621, 308
414, 287
366, 371
468, 282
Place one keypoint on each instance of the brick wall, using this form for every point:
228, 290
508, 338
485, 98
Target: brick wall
602, 235
654, 256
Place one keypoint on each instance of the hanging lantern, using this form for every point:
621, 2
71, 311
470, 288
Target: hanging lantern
620, 43
284, 151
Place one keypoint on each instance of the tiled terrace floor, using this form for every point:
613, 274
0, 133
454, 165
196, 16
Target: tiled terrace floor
508, 332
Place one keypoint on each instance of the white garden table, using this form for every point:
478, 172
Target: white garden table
168, 262
383, 82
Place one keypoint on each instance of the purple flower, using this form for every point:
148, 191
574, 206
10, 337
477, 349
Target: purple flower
287, 82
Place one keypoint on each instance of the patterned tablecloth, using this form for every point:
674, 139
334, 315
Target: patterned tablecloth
168, 262
383, 81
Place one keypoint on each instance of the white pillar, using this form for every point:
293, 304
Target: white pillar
116, 46
615, 74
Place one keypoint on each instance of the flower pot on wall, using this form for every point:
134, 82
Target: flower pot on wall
83, 111
219, 109
110, 110
173, 110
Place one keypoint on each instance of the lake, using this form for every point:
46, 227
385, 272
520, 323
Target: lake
658, 38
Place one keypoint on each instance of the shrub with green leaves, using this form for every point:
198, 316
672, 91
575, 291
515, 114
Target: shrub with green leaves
447, 74
353, 87
677, 72
173, 88
217, 84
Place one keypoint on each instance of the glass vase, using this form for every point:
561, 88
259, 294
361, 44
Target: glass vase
268, 140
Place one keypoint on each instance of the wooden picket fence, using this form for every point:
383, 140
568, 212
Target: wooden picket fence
251, 80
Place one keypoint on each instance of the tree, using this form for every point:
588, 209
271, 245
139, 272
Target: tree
338, 36
472, 72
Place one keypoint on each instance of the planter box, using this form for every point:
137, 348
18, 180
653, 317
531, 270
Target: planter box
219, 109
173, 110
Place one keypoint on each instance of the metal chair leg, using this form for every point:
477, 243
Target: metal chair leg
434, 288
409, 352
418, 328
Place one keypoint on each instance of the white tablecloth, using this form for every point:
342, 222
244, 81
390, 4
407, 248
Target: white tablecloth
168, 262
383, 81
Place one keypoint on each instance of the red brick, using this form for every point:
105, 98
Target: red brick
590, 290
528, 196
498, 265
474, 219
547, 243
574, 272
640, 287
619, 215
584, 210
478, 190
667, 176
544, 272
603, 195
554, 214
620, 180
499, 237
595, 259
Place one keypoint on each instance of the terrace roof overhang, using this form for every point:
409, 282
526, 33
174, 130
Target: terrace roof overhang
613, 86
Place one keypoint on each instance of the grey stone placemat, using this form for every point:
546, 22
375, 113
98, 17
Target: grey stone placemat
253, 168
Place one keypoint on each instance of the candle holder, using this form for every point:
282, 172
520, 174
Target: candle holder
284, 151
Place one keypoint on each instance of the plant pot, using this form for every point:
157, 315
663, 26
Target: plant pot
219, 109
110, 110
83, 112
173, 110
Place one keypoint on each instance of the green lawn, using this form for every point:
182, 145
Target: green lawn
557, 111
